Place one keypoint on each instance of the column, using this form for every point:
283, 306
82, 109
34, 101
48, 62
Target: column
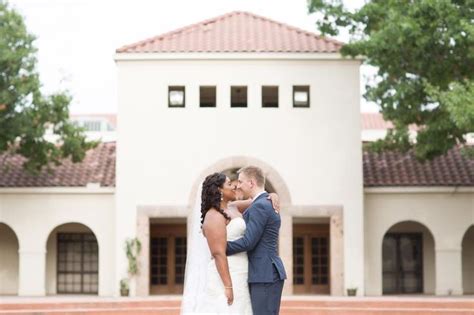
448, 271
336, 242
32, 280
143, 277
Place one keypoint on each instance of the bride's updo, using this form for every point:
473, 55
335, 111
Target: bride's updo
211, 196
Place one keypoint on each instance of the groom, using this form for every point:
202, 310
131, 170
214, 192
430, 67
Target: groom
266, 271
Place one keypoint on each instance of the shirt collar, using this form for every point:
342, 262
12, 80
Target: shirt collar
258, 195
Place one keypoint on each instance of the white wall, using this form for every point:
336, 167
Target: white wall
447, 215
162, 151
34, 213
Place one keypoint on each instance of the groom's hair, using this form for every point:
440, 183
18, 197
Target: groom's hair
254, 172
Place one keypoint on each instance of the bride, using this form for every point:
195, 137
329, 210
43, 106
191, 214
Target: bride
215, 283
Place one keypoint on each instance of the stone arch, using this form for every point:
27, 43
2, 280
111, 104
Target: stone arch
9, 263
272, 176
408, 251
72, 259
85, 225
467, 246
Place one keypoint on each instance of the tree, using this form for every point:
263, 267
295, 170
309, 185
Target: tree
25, 113
424, 53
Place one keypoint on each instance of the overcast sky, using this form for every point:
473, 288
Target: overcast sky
77, 38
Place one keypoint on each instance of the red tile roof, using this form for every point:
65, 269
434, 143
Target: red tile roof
380, 170
399, 169
97, 167
374, 121
236, 32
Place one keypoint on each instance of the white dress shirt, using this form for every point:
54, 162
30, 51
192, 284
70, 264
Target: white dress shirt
256, 196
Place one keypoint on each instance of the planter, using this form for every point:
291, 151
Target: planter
351, 292
124, 292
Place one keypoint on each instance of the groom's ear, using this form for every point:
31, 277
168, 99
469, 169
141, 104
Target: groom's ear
252, 182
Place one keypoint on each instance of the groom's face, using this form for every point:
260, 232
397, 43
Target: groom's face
245, 185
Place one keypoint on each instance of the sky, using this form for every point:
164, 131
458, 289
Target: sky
77, 39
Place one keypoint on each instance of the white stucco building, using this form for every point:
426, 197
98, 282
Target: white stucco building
216, 96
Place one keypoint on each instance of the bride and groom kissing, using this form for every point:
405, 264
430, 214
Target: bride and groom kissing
237, 270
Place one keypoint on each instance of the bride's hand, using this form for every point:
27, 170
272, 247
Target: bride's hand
229, 293
275, 201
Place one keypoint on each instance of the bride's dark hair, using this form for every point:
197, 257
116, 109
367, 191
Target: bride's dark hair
211, 196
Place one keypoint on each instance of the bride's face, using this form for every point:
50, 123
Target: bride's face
238, 192
228, 190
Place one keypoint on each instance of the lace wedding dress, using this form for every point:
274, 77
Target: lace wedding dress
214, 300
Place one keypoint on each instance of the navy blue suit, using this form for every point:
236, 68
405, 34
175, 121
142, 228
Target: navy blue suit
260, 241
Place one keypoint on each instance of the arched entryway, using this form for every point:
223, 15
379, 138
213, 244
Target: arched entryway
72, 260
168, 245
468, 261
408, 259
9, 261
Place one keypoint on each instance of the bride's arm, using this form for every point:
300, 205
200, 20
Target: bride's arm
242, 205
215, 230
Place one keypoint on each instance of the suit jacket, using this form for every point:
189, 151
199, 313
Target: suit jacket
260, 241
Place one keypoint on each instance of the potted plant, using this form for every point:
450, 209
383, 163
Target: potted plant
124, 287
352, 291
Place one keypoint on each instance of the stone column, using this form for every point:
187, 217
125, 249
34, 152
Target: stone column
32, 273
336, 237
286, 250
143, 276
448, 271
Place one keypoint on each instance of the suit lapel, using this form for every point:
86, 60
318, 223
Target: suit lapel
246, 212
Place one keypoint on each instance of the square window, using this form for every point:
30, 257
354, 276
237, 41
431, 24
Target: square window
207, 96
176, 96
301, 96
238, 96
269, 96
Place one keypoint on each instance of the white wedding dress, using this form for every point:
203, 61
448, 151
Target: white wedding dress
214, 300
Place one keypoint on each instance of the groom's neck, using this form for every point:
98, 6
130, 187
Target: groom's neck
256, 192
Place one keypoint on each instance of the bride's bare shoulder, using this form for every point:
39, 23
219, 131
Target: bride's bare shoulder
214, 217
214, 222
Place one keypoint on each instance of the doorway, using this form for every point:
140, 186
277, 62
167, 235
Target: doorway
311, 259
167, 258
402, 263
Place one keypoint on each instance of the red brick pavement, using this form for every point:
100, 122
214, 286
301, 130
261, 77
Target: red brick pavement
290, 305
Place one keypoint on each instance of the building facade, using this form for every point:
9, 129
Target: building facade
229, 92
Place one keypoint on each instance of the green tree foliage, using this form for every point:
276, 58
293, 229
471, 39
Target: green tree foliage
25, 113
424, 53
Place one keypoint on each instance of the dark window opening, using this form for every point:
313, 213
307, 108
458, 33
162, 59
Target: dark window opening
207, 96
238, 96
269, 96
